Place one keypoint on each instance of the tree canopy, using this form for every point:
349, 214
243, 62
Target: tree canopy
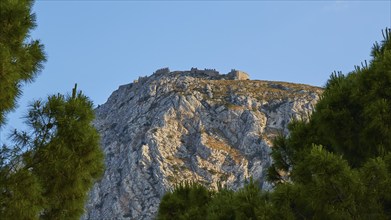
339, 160
49, 169
21, 58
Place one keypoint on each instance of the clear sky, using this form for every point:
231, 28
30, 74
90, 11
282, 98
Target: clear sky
103, 44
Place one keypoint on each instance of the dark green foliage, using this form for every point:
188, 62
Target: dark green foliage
348, 177
20, 194
67, 157
352, 118
59, 159
194, 201
324, 186
376, 178
284, 202
51, 167
222, 206
20, 57
330, 188
247, 203
186, 201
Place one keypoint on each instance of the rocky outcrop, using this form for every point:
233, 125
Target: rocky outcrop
182, 125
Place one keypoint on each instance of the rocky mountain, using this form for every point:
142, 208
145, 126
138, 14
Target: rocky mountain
194, 125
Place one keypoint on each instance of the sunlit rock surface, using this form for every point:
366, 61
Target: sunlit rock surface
188, 125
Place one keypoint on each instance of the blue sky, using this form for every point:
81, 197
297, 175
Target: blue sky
103, 44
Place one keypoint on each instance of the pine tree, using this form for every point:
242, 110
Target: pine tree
21, 58
60, 160
51, 167
188, 200
20, 194
66, 156
222, 205
330, 189
375, 176
352, 118
337, 165
251, 203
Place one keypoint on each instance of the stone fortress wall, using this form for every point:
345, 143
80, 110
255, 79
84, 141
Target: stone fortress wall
213, 73
238, 75
164, 70
208, 72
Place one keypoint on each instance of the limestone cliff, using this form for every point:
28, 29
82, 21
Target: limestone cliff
188, 125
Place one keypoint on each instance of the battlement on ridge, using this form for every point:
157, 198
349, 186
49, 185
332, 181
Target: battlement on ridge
212, 73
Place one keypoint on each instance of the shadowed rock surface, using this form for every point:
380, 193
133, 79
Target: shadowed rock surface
187, 125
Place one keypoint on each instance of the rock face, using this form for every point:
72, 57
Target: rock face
186, 125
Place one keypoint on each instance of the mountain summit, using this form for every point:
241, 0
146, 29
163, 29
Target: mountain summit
195, 125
